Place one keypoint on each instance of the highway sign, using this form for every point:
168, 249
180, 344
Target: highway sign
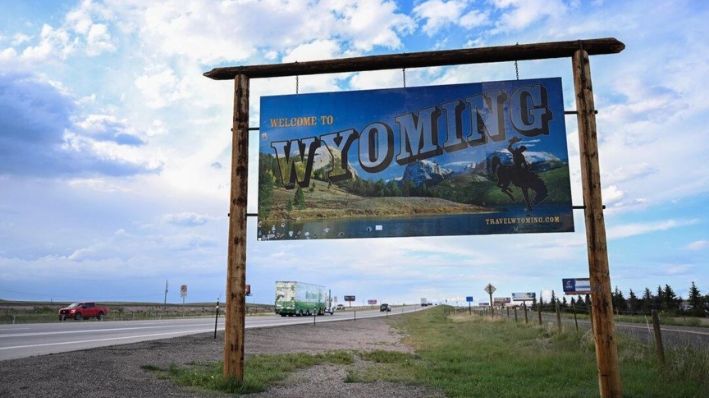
484, 304
489, 289
526, 296
371, 302
469, 299
502, 300
576, 285
183, 290
349, 298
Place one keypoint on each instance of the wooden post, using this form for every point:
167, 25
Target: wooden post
236, 254
515, 314
526, 320
576, 322
558, 314
659, 347
539, 308
603, 324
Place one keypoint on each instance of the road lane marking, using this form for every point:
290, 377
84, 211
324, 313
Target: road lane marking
303, 320
99, 340
91, 330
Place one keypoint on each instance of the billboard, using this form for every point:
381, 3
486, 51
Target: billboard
501, 300
349, 298
576, 285
526, 296
371, 302
478, 158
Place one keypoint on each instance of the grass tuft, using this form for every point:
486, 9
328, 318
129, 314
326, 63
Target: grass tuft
260, 372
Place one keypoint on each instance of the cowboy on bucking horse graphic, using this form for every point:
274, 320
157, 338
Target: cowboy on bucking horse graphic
519, 174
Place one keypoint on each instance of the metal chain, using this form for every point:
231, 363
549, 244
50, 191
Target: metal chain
516, 66
403, 72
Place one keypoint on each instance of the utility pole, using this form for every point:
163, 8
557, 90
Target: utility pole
164, 305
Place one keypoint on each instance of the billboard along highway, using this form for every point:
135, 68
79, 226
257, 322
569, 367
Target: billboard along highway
479, 158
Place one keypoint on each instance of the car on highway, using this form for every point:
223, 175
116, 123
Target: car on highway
384, 307
340, 307
79, 311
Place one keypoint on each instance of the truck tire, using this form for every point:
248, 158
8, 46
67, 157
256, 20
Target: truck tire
100, 316
78, 316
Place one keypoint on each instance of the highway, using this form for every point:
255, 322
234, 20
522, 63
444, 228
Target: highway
25, 340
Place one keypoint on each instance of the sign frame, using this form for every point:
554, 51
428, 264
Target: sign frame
578, 50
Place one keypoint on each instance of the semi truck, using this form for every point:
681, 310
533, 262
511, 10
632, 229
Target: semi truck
299, 299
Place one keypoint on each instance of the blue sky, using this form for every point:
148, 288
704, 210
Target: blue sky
115, 150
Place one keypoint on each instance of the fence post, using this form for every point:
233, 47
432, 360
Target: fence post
216, 319
539, 312
508, 312
576, 322
658, 337
558, 315
515, 314
526, 320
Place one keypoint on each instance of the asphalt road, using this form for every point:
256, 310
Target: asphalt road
25, 340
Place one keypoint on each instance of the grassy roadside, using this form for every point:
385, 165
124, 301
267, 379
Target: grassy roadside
473, 356
665, 320
468, 356
261, 371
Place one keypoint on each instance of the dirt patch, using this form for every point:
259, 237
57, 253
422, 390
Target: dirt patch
117, 370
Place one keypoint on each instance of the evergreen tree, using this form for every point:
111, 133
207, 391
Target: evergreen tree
647, 301
588, 302
564, 304
299, 198
265, 192
552, 302
289, 205
659, 299
534, 304
695, 301
670, 299
580, 304
618, 300
633, 302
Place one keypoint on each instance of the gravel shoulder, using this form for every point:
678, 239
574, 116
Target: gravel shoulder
116, 371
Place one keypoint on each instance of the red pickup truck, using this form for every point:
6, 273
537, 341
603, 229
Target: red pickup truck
81, 311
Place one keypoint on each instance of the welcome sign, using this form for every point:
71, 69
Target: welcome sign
482, 158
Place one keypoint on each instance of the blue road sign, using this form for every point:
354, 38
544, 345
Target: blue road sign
576, 286
469, 299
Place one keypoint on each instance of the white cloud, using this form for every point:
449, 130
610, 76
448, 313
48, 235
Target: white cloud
206, 33
439, 14
160, 87
19, 39
519, 14
698, 245
186, 219
628, 230
98, 40
612, 195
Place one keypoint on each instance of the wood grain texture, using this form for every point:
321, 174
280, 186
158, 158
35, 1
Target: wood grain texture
518, 52
236, 254
602, 313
